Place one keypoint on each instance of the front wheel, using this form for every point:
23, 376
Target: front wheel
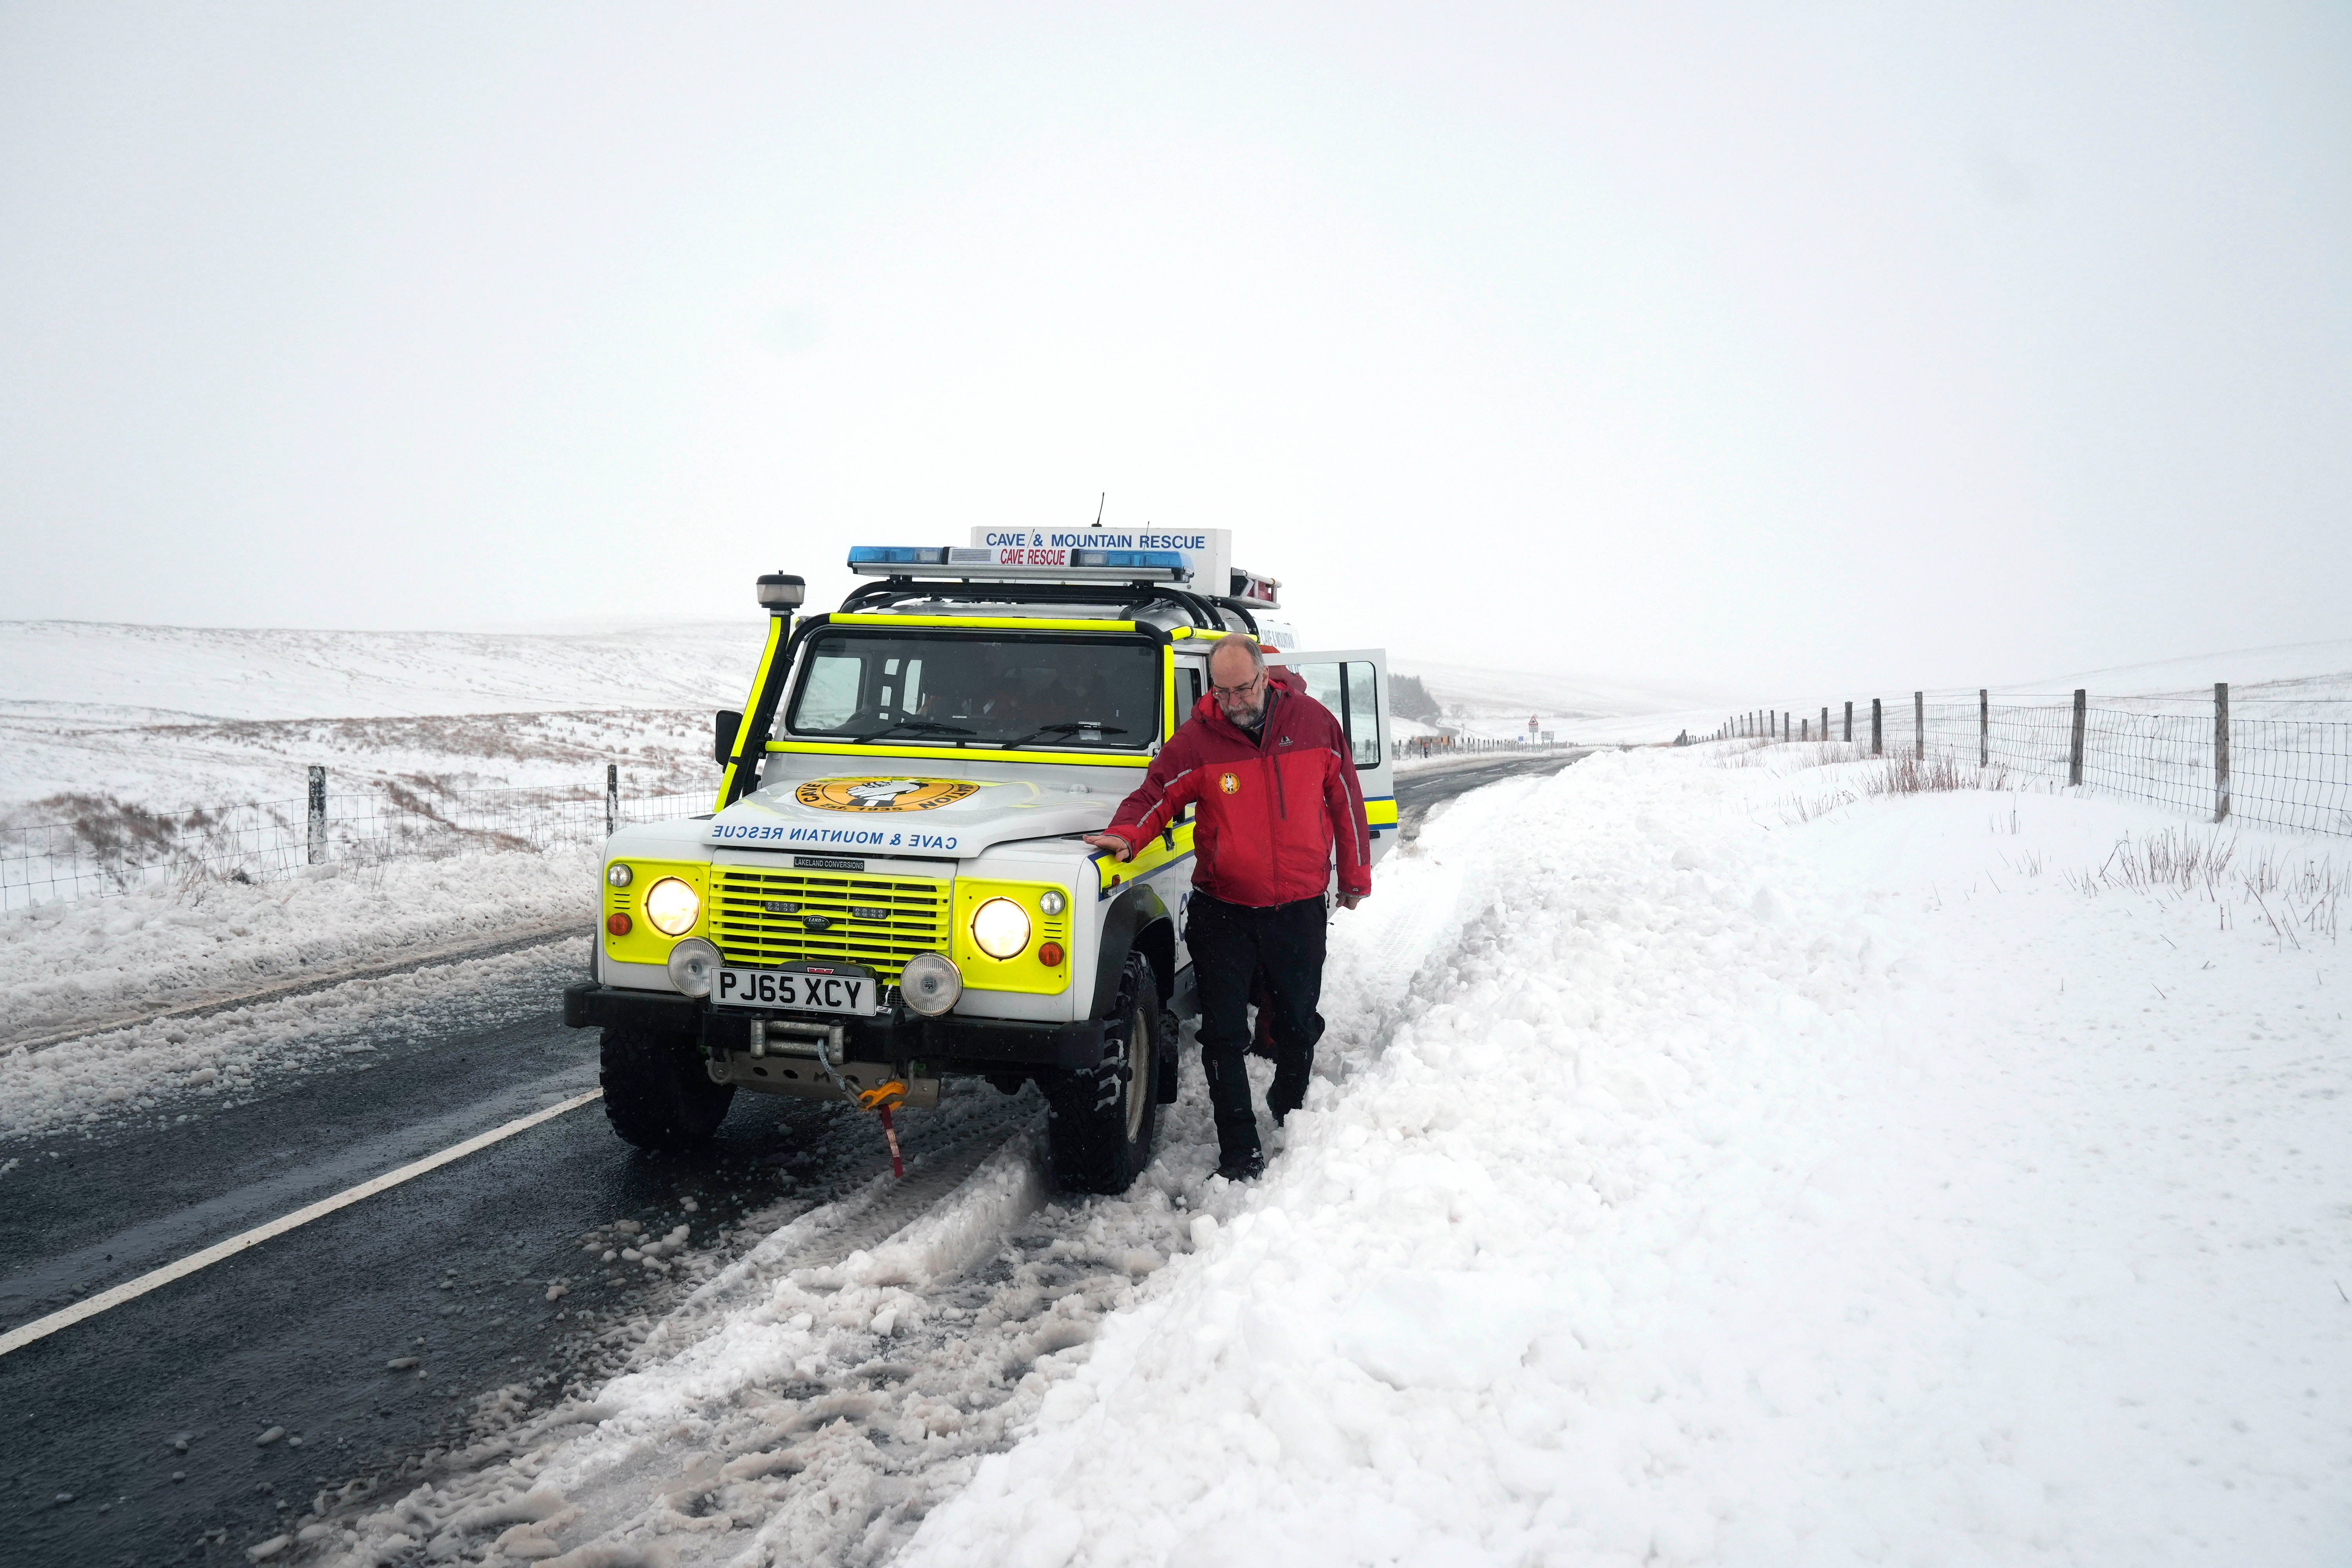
1099, 1120
657, 1094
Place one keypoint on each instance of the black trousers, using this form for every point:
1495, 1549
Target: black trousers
1232, 944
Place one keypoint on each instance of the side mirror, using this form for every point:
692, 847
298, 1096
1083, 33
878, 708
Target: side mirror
722, 745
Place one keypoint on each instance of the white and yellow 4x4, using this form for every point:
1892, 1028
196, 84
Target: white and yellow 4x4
892, 887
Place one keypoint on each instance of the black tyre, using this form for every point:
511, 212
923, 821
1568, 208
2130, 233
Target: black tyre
1099, 1120
657, 1094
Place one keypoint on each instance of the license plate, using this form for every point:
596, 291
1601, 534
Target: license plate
803, 990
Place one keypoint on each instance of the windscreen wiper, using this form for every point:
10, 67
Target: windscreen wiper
1066, 729
920, 726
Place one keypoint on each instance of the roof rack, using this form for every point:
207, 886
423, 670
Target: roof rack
975, 564
1018, 567
1133, 596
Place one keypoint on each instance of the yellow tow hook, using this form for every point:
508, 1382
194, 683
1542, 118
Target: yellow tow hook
883, 1097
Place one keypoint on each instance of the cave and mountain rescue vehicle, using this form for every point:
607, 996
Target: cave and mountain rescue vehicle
892, 887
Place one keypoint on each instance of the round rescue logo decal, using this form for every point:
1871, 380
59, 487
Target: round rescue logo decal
882, 794
1230, 785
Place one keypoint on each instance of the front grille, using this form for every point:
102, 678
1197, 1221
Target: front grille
871, 921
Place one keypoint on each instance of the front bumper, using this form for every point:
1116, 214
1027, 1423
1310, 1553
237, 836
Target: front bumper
941, 1045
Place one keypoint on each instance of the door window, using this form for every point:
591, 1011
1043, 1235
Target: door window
1189, 689
1363, 714
1349, 689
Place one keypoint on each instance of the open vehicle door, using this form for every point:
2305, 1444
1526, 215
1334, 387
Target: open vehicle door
1354, 684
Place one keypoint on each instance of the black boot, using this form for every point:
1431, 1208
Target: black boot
1247, 1167
1294, 1068
1289, 1090
1229, 1104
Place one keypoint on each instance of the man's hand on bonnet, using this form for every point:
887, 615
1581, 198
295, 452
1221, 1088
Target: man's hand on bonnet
1110, 841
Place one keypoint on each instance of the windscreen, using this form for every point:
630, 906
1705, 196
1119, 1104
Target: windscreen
1063, 693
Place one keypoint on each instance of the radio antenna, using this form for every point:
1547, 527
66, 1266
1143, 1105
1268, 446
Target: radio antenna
1099, 508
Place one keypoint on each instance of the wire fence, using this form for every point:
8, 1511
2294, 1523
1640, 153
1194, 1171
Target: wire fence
2284, 764
111, 848
1426, 746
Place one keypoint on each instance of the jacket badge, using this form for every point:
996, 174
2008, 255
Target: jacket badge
1230, 785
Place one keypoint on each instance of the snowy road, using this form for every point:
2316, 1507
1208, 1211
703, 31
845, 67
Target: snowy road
146, 1419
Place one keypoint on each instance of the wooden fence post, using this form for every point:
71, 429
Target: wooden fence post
1984, 727
612, 798
2220, 750
1849, 723
1825, 723
2081, 720
1920, 725
1877, 743
317, 844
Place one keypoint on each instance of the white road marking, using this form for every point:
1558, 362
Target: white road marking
41, 1328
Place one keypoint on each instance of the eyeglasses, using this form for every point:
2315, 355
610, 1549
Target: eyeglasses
1243, 689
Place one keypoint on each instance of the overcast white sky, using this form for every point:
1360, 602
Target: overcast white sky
1776, 350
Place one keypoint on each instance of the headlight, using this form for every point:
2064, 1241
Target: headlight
1001, 927
672, 906
618, 875
1050, 901
930, 983
694, 966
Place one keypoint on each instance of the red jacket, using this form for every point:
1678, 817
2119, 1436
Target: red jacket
1271, 814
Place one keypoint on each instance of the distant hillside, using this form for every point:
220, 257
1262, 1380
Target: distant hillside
1409, 699
93, 668
1498, 702
169, 717
2307, 672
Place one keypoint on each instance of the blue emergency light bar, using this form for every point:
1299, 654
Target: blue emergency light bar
1128, 560
971, 562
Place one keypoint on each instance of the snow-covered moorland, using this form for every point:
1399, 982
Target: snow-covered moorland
87, 963
167, 717
1704, 1171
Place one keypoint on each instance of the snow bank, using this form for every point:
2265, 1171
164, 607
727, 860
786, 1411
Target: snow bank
1854, 1191
1702, 1171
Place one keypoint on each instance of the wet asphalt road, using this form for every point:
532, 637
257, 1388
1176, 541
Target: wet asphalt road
131, 1438
1418, 793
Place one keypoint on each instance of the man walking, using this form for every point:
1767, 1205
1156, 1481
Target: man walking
1269, 773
